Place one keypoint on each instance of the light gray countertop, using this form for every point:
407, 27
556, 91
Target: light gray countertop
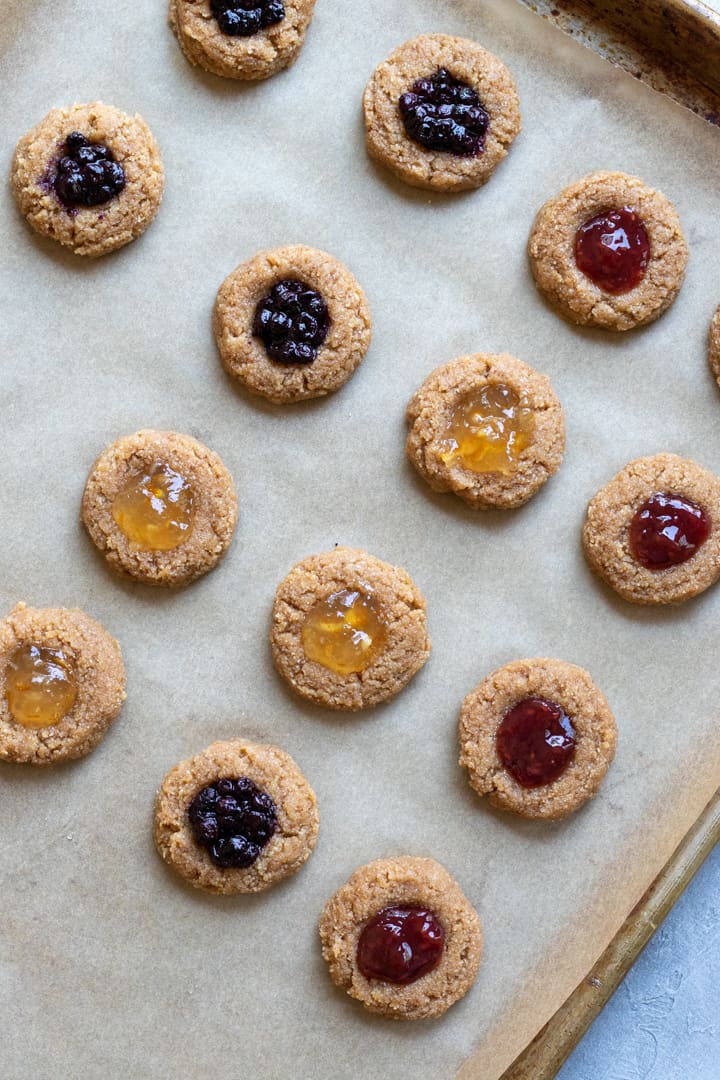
663, 1023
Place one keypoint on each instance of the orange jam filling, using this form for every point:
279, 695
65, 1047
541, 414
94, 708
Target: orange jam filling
40, 686
154, 508
345, 632
488, 430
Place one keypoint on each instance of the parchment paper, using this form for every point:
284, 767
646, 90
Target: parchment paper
110, 967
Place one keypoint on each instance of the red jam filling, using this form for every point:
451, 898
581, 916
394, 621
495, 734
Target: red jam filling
667, 530
535, 742
613, 250
400, 945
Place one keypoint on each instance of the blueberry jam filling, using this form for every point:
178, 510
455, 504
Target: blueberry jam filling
292, 321
87, 173
443, 113
233, 820
243, 18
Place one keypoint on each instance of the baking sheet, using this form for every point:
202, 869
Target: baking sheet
109, 966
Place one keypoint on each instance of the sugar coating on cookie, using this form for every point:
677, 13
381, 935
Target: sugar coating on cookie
247, 51
652, 531
440, 74
282, 787
348, 631
284, 346
160, 507
63, 684
507, 764
402, 883
714, 345
623, 232
488, 428
96, 192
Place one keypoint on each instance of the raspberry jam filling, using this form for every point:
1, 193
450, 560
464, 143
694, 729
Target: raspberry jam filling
292, 321
535, 742
243, 18
443, 113
87, 173
667, 530
613, 250
233, 820
400, 945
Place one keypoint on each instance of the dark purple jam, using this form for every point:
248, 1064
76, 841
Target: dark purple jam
535, 742
400, 945
87, 173
667, 530
292, 321
443, 113
243, 18
233, 820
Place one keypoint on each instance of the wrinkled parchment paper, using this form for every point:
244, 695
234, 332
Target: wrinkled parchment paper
109, 966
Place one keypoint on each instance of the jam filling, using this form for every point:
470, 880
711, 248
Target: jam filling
40, 686
87, 173
154, 509
535, 742
243, 18
233, 820
345, 633
400, 945
667, 530
443, 113
613, 250
488, 430
293, 322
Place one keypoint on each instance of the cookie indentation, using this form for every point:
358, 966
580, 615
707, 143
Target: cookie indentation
667, 530
233, 820
444, 113
292, 321
154, 508
400, 945
488, 430
87, 173
535, 741
40, 685
613, 250
345, 632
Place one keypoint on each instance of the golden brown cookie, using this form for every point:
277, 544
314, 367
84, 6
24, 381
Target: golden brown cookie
434, 936
254, 55
537, 737
714, 345
488, 428
348, 631
451, 73
291, 324
652, 531
63, 684
639, 250
160, 507
236, 818
52, 180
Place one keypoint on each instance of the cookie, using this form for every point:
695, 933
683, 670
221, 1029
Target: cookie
63, 684
402, 938
160, 507
653, 532
714, 345
608, 251
348, 631
88, 176
236, 818
238, 40
441, 112
488, 428
537, 737
291, 324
